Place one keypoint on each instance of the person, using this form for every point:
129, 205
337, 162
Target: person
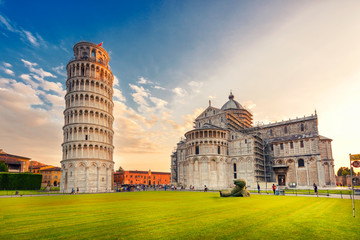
258, 186
273, 188
165, 187
72, 191
316, 189
77, 190
277, 189
205, 189
193, 187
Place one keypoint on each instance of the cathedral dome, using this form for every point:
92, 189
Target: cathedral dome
231, 104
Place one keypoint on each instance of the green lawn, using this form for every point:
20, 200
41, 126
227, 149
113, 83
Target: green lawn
177, 215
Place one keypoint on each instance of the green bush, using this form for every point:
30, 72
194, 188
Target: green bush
20, 181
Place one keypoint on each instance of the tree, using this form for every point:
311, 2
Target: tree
343, 171
120, 169
3, 167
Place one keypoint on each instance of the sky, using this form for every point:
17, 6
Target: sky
281, 59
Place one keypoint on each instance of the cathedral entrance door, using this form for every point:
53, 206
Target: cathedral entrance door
281, 180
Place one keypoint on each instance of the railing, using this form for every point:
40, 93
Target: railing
91, 59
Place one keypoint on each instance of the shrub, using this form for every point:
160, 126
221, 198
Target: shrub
20, 181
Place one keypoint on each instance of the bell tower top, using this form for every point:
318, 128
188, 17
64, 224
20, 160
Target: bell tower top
91, 52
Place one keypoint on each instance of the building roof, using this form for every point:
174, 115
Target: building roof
324, 138
231, 104
51, 169
5, 155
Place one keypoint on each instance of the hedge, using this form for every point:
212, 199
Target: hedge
20, 181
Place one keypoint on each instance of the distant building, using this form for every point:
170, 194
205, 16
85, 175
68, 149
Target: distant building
15, 163
224, 145
51, 176
119, 178
146, 178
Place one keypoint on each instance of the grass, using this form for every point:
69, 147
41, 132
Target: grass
176, 215
26, 192
309, 191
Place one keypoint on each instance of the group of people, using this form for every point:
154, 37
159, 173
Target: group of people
73, 190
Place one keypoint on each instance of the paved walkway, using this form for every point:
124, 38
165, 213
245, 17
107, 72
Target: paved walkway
343, 196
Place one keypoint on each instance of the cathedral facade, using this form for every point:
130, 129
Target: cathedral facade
224, 145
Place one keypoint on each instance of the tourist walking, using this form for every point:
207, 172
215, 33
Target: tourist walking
258, 186
273, 188
316, 189
205, 189
77, 190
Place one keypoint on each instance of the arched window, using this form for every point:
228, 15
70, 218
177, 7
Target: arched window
218, 149
196, 150
301, 163
234, 167
285, 129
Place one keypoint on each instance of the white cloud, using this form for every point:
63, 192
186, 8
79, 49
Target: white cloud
116, 81
140, 95
31, 38
195, 84
179, 91
60, 70
39, 71
143, 80
8, 71
159, 87
159, 103
118, 95
24, 34
7, 65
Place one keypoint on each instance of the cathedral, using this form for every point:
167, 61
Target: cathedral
225, 145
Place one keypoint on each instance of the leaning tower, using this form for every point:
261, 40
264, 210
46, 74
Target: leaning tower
87, 161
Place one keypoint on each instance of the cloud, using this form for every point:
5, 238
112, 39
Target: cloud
31, 38
8, 71
23, 34
116, 81
28, 131
7, 65
60, 70
179, 91
39, 71
159, 87
249, 104
195, 84
143, 80
140, 95
118, 95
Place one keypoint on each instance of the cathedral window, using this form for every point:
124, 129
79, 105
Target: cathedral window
218, 149
210, 121
281, 146
245, 141
221, 119
302, 127
301, 163
301, 144
234, 167
285, 130
196, 150
272, 147
271, 133
235, 176
291, 145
